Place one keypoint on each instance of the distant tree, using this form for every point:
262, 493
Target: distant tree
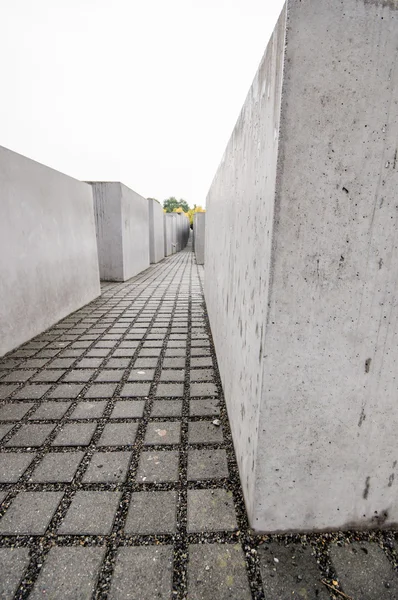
192, 211
172, 203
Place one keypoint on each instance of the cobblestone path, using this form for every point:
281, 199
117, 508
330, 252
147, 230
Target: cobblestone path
117, 472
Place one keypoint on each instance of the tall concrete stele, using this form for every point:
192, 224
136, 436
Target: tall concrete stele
301, 279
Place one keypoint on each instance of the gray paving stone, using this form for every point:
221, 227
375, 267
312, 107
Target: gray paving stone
66, 390
89, 363
155, 467
75, 434
202, 375
50, 410
170, 390
200, 343
143, 573
69, 573
149, 352
13, 564
172, 375
12, 465
166, 432
152, 513
131, 390
89, 410
18, 376
30, 513
101, 390
141, 375
290, 572
4, 429
218, 572
205, 361
110, 375
203, 389
14, 411
207, 464
174, 363
128, 409
91, 513
153, 343
204, 406
61, 363
57, 467
97, 353
108, 467
166, 408
31, 435
145, 363
118, 363
118, 434
200, 352
48, 375
175, 352
211, 510
364, 571
31, 392
79, 375
204, 432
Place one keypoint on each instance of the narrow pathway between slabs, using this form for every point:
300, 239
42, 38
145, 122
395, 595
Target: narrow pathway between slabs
117, 470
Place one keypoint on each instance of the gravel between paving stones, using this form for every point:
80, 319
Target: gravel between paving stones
92, 364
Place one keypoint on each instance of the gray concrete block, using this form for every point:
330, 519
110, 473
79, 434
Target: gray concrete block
170, 234
156, 231
48, 249
12, 465
13, 564
299, 279
199, 228
207, 464
30, 513
107, 467
91, 513
57, 467
210, 510
152, 513
165, 432
122, 224
118, 434
158, 466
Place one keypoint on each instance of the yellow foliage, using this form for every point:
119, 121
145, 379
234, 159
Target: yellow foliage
192, 211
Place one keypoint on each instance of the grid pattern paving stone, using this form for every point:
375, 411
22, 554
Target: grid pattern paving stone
116, 483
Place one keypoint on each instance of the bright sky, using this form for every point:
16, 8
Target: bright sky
146, 92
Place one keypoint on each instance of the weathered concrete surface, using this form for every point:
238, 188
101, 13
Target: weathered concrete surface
48, 250
122, 222
156, 231
170, 233
301, 280
199, 228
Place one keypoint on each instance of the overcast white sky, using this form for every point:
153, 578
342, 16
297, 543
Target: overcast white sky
146, 92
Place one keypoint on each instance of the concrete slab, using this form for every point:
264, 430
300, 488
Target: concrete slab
156, 231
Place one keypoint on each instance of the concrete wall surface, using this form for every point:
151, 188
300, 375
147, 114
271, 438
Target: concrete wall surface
156, 231
122, 223
301, 279
199, 228
170, 233
48, 249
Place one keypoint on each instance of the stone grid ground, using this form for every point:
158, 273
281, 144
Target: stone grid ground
117, 471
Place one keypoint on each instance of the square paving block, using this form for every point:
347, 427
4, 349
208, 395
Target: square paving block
4, 429
66, 390
118, 363
202, 375
97, 353
89, 363
108, 467
13, 564
218, 571
50, 410
149, 352
167, 408
200, 352
57, 467
201, 361
203, 389
141, 375
172, 375
153, 344
69, 573
152, 513
293, 574
75, 434
364, 571
79, 375
144, 363
14, 411
89, 410
32, 392
143, 573
165, 432
204, 406
18, 376
211, 510
101, 390
201, 343
207, 464
176, 344
91, 513
175, 352
30, 513
170, 389
31, 435
110, 375
155, 467
12, 465
48, 375
204, 432
135, 389
178, 362
128, 409
61, 363
118, 434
